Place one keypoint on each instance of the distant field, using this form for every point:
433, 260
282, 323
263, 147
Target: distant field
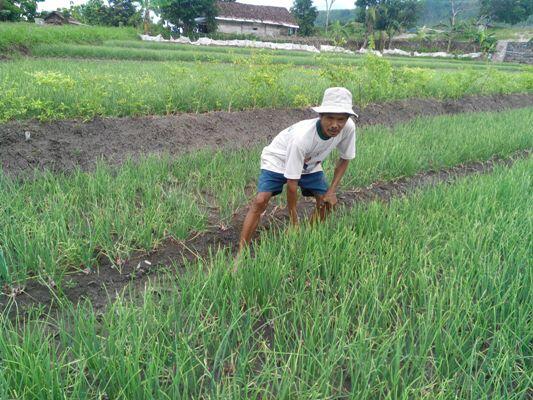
15, 36
52, 89
512, 33
153, 51
124, 44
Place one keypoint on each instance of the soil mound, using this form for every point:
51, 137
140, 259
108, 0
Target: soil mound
66, 145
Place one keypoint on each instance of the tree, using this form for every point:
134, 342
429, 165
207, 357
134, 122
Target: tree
148, 6
329, 4
397, 15
369, 15
510, 11
341, 33
183, 12
390, 16
95, 12
433, 12
16, 10
456, 7
305, 13
122, 13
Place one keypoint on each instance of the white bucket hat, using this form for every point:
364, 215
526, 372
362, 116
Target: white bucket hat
337, 100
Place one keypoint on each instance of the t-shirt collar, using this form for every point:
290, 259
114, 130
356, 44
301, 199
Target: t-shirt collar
320, 131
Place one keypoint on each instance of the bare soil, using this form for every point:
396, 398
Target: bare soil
67, 145
103, 285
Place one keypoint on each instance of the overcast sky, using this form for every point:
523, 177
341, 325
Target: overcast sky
49, 5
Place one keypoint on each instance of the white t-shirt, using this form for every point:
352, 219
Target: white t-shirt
299, 149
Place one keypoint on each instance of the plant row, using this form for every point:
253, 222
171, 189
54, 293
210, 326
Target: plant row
16, 36
426, 297
150, 51
55, 90
58, 222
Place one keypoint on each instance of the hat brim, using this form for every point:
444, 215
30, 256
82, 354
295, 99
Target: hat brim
334, 110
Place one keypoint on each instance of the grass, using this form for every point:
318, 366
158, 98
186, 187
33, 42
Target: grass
55, 90
510, 33
153, 51
27, 35
71, 219
425, 298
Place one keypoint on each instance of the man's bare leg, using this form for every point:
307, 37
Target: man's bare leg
251, 221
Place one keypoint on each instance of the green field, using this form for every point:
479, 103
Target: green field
74, 218
511, 33
14, 36
427, 297
86, 72
50, 89
153, 51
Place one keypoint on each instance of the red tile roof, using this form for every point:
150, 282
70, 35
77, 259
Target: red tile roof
279, 15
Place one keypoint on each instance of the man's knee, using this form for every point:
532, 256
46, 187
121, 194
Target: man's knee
260, 203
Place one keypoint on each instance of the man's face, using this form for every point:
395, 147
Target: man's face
332, 124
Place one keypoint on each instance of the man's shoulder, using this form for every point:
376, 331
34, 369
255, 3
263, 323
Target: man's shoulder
303, 126
302, 131
350, 125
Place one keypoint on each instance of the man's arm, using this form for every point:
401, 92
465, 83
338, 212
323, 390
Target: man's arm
330, 196
292, 198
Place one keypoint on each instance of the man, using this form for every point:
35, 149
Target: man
295, 158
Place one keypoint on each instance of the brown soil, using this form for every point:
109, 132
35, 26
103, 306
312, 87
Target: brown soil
65, 145
103, 285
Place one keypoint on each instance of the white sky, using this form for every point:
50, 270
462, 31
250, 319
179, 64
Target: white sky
50, 5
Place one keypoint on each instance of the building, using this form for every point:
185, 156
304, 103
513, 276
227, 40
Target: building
264, 21
56, 18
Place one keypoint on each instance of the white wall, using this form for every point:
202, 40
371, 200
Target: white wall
251, 28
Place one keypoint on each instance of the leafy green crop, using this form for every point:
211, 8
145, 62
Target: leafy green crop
53, 90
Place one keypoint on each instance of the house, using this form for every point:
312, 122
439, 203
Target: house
56, 18
256, 20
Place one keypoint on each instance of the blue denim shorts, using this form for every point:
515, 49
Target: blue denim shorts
310, 184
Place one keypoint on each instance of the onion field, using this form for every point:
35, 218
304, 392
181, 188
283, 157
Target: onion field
427, 297
118, 277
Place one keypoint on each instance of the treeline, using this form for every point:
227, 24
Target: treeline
434, 12
390, 16
119, 12
16, 10
114, 13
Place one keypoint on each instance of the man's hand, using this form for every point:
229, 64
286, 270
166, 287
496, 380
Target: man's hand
330, 198
294, 217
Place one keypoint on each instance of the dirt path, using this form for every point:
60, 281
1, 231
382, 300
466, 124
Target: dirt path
62, 146
99, 287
